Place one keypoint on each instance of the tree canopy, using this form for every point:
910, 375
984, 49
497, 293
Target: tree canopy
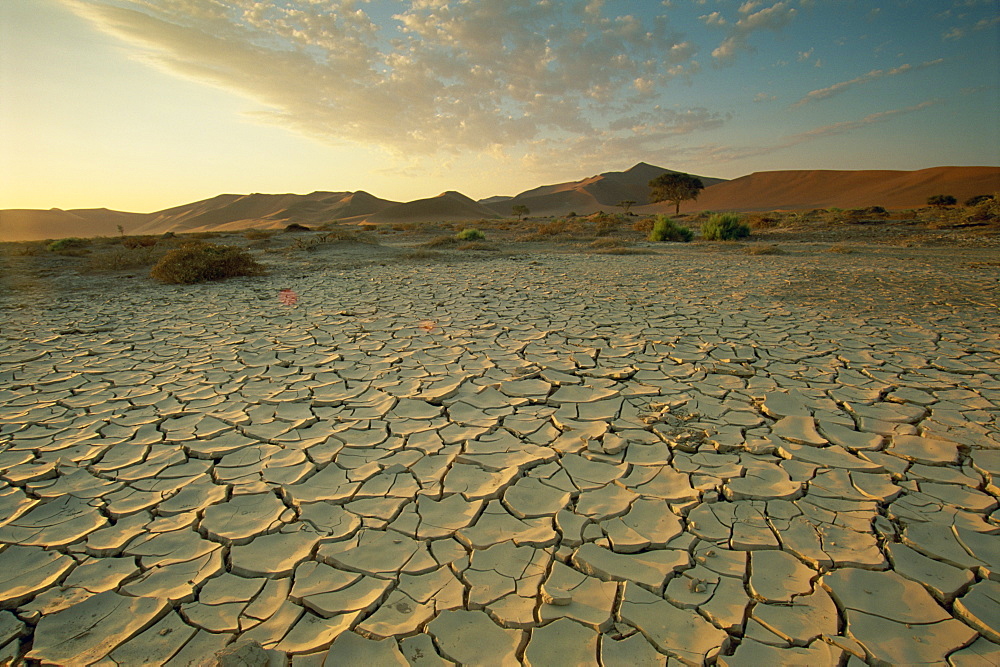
520, 210
675, 187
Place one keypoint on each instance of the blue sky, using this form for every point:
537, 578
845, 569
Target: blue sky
144, 104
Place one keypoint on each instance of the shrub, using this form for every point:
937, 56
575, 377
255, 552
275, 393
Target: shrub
296, 227
124, 258
665, 229
258, 234
470, 235
724, 227
941, 201
72, 243
199, 262
978, 199
987, 210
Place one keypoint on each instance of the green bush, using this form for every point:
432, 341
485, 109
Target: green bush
470, 235
200, 262
725, 227
71, 243
665, 229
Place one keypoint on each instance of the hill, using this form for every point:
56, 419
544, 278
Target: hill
808, 189
601, 192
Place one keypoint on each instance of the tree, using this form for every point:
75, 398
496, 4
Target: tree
675, 187
941, 201
520, 210
627, 204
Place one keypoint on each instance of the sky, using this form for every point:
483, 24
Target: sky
140, 105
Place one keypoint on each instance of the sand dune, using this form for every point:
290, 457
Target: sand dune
601, 192
448, 205
760, 191
38, 225
791, 190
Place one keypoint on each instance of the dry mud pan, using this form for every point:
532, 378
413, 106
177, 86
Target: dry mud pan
678, 458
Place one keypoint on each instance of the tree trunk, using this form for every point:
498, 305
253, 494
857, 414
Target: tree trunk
677, 209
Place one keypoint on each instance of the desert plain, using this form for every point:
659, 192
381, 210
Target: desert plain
548, 447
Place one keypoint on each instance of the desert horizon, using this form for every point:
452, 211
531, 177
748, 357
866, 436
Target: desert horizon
705, 371
757, 192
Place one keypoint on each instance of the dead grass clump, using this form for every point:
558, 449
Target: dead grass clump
28, 248
604, 243
440, 242
764, 249
139, 241
477, 246
204, 236
258, 234
840, 249
762, 220
644, 225
201, 262
124, 258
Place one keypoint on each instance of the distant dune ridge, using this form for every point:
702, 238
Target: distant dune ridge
760, 191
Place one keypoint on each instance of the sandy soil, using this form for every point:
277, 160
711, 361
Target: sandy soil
516, 452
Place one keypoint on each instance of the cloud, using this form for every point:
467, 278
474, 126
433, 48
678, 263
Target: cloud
436, 76
775, 17
730, 154
837, 88
648, 134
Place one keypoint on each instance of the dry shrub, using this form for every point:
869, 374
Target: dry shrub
478, 246
368, 226
200, 262
139, 241
644, 225
440, 242
125, 258
985, 209
762, 220
204, 236
759, 249
610, 243
552, 227
258, 234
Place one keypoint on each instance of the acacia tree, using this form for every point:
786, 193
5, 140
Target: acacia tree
520, 210
627, 204
675, 187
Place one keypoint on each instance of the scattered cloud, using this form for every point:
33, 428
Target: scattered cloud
775, 17
437, 76
837, 88
764, 97
805, 55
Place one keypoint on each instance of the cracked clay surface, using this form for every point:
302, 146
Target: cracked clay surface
574, 460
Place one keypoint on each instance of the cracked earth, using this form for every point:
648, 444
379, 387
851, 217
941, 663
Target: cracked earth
656, 459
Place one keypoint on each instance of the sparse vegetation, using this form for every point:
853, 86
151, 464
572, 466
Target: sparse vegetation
725, 227
675, 187
941, 201
68, 245
665, 229
626, 204
258, 234
470, 235
201, 262
520, 210
296, 227
977, 200
764, 249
